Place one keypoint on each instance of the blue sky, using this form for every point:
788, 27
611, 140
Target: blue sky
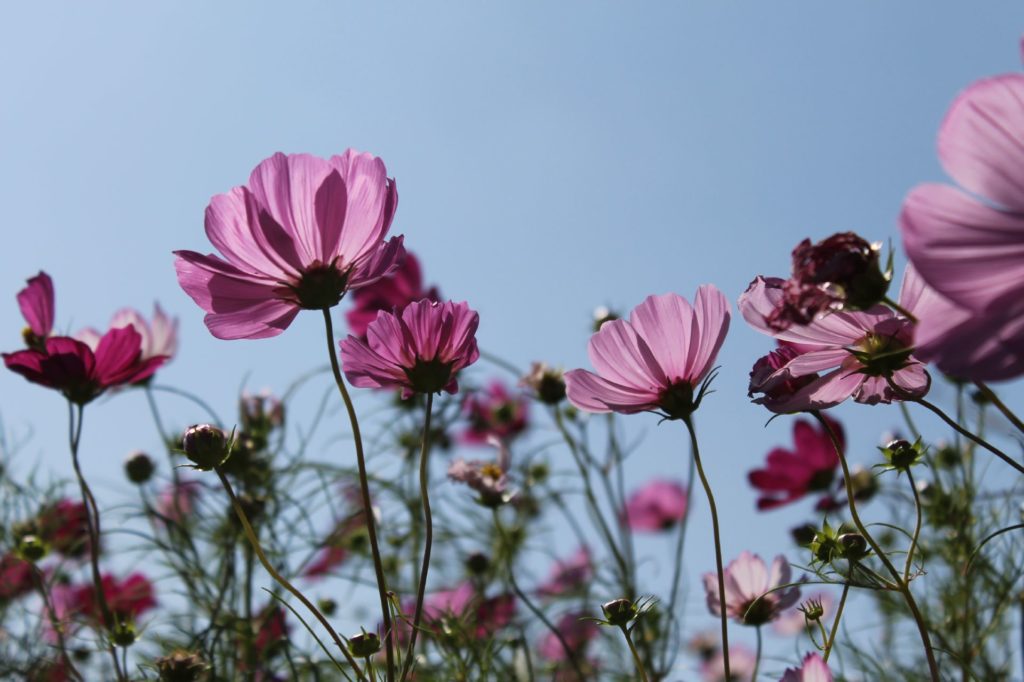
550, 157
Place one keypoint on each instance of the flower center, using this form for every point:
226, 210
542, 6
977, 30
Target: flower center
321, 286
757, 611
882, 354
677, 400
429, 376
491, 470
821, 480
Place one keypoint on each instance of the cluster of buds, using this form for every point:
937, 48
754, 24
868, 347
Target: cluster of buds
832, 544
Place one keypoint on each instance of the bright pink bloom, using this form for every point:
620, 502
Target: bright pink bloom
177, 502
302, 233
390, 294
969, 245
15, 578
656, 360
65, 526
657, 506
36, 303
576, 630
569, 576
814, 669
753, 595
494, 413
862, 353
419, 351
793, 622
742, 662
128, 599
809, 467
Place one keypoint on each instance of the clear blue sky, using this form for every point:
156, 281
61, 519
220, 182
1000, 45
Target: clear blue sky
550, 157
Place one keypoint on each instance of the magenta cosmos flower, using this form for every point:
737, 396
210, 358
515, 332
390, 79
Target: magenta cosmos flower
809, 467
494, 412
969, 245
657, 506
127, 599
391, 294
37, 306
753, 595
656, 360
420, 350
814, 669
303, 232
862, 354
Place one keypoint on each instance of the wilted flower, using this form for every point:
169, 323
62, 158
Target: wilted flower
302, 233
656, 360
657, 506
753, 596
814, 669
809, 467
420, 351
494, 412
569, 576
390, 294
181, 666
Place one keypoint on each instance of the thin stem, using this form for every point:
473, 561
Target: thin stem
991, 396
970, 436
364, 489
917, 529
695, 449
250, 534
900, 584
58, 627
900, 309
757, 657
636, 654
428, 537
501, 362
835, 621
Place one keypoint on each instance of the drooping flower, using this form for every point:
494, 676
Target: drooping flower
753, 596
791, 474
391, 294
421, 350
742, 662
488, 478
576, 629
302, 233
569, 576
969, 245
814, 669
656, 360
495, 412
865, 354
657, 506
37, 306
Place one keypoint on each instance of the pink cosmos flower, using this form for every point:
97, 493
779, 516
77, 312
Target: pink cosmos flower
969, 245
809, 467
420, 350
814, 669
482, 616
177, 502
301, 234
656, 360
577, 634
753, 596
15, 578
862, 353
742, 662
569, 576
657, 506
488, 478
36, 303
159, 337
128, 598
494, 412
793, 622
391, 294
339, 544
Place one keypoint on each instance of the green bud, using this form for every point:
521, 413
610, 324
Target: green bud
31, 548
364, 645
205, 445
619, 612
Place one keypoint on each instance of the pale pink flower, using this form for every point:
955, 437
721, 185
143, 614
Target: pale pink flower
482, 616
863, 354
742, 662
969, 245
657, 506
302, 233
753, 595
420, 350
489, 478
159, 337
569, 576
814, 669
656, 360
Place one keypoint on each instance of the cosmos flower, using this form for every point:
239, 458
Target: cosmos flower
814, 669
391, 294
753, 596
791, 474
127, 599
37, 307
657, 506
494, 412
15, 578
742, 662
64, 526
576, 629
302, 233
656, 360
158, 338
488, 478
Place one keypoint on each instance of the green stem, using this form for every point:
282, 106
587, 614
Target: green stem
636, 654
58, 627
900, 309
695, 449
917, 529
835, 622
364, 489
428, 537
757, 658
970, 436
254, 542
991, 396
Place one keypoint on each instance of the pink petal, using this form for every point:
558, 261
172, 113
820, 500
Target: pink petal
712, 317
116, 355
36, 304
592, 393
385, 261
372, 200
232, 226
835, 329
366, 369
668, 326
620, 355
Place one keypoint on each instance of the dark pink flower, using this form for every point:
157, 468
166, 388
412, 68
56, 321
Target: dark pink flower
863, 354
814, 669
569, 576
420, 350
969, 245
15, 578
36, 303
391, 294
753, 595
127, 599
657, 506
494, 412
302, 233
656, 360
809, 467
576, 630
64, 526
742, 662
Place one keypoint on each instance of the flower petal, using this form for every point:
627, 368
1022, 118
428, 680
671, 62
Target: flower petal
592, 393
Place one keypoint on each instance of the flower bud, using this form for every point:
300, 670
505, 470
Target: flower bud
364, 645
546, 383
619, 612
124, 633
804, 535
327, 606
205, 445
854, 546
901, 454
603, 314
181, 666
477, 563
139, 467
863, 483
812, 610
31, 548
